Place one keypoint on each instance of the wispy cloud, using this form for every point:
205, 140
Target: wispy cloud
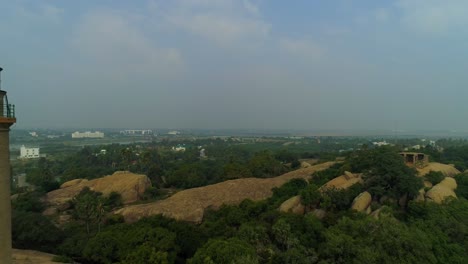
109, 38
224, 22
304, 48
434, 16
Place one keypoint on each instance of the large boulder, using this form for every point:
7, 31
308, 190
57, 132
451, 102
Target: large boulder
343, 182
442, 191
190, 205
292, 205
447, 170
450, 183
362, 202
319, 213
129, 185
421, 196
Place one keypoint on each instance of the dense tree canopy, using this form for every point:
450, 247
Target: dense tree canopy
385, 173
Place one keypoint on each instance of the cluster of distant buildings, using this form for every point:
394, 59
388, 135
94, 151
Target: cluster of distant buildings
87, 134
139, 132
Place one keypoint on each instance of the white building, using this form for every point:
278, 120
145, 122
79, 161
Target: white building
87, 134
381, 143
179, 148
29, 153
137, 132
173, 133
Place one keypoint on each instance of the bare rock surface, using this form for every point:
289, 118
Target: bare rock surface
447, 170
362, 202
319, 213
72, 182
343, 182
292, 205
421, 196
131, 186
450, 183
21, 256
442, 190
190, 205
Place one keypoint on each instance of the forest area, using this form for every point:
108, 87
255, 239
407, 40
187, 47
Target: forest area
253, 231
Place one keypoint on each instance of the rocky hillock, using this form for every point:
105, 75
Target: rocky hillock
129, 185
190, 205
447, 170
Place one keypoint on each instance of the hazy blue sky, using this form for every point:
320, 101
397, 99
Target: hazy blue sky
267, 64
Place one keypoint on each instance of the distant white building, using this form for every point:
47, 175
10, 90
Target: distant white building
173, 133
381, 143
202, 154
29, 153
137, 132
87, 134
179, 148
33, 134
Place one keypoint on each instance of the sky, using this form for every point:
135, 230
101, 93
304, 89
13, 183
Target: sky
236, 64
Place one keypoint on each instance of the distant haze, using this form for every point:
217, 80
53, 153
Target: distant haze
225, 64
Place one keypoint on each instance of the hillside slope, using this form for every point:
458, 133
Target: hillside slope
131, 186
190, 205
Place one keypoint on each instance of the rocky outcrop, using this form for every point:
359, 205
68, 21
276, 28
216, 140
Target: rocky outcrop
129, 185
450, 183
428, 184
21, 256
343, 182
384, 210
447, 170
362, 202
72, 182
292, 205
442, 191
421, 196
319, 213
190, 205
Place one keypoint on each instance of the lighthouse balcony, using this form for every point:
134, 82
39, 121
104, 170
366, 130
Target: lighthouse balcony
7, 113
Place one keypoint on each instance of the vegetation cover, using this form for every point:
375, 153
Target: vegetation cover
257, 232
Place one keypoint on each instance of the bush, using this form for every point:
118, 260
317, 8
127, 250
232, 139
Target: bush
434, 177
28, 202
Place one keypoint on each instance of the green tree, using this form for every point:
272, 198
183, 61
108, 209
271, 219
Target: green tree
228, 251
385, 173
34, 231
310, 196
88, 207
367, 240
434, 177
146, 254
462, 185
29, 202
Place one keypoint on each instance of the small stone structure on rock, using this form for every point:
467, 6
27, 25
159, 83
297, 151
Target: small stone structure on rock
415, 159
